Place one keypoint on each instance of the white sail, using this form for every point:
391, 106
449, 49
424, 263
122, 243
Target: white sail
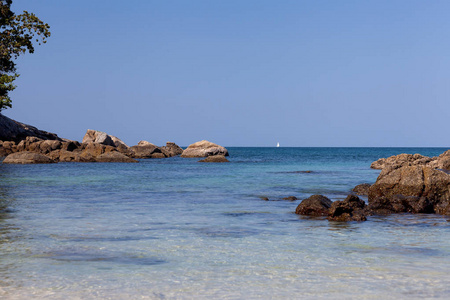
278, 144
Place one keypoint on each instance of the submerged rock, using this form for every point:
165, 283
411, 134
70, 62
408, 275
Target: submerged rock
215, 159
290, 198
27, 158
316, 205
204, 149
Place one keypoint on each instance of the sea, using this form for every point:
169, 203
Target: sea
176, 228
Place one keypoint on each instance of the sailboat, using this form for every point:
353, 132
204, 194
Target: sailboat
278, 145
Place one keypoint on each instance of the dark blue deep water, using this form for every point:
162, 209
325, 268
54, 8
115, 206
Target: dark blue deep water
178, 229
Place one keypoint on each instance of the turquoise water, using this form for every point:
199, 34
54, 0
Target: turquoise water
179, 229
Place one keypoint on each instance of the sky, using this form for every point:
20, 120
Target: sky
320, 73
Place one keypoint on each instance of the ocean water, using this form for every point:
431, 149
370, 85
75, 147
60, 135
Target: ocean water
178, 229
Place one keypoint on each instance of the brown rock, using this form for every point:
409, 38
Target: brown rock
204, 149
145, 143
27, 158
148, 151
290, 198
115, 157
215, 159
361, 189
171, 149
419, 187
95, 136
96, 149
316, 205
350, 209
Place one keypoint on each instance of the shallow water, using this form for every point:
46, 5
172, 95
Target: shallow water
178, 229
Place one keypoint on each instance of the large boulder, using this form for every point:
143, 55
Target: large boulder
214, 159
204, 149
350, 209
171, 149
11, 130
27, 158
147, 151
95, 136
316, 205
416, 189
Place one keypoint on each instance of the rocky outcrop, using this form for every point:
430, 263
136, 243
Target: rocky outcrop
11, 130
361, 189
316, 205
215, 159
171, 149
350, 209
440, 162
204, 149
416, 189
94, 136
27, 158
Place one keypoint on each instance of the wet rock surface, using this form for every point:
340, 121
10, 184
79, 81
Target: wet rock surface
316, 205
350, 209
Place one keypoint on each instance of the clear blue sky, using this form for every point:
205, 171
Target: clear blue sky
241, 72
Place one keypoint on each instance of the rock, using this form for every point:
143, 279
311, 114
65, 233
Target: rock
422, 189
204, 149
95, 149
27, 158
115, 157
171, 149
290, 198
148, 151
316, 205
94, 136
145, 143
158, 155
401, 160
215, 159
361, 189
350, 209
11, 130
7, 147
70, 145
264, 198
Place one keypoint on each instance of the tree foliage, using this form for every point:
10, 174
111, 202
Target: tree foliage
17, 35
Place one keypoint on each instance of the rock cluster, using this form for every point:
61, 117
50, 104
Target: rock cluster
30, 145
350, 209
407, 184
